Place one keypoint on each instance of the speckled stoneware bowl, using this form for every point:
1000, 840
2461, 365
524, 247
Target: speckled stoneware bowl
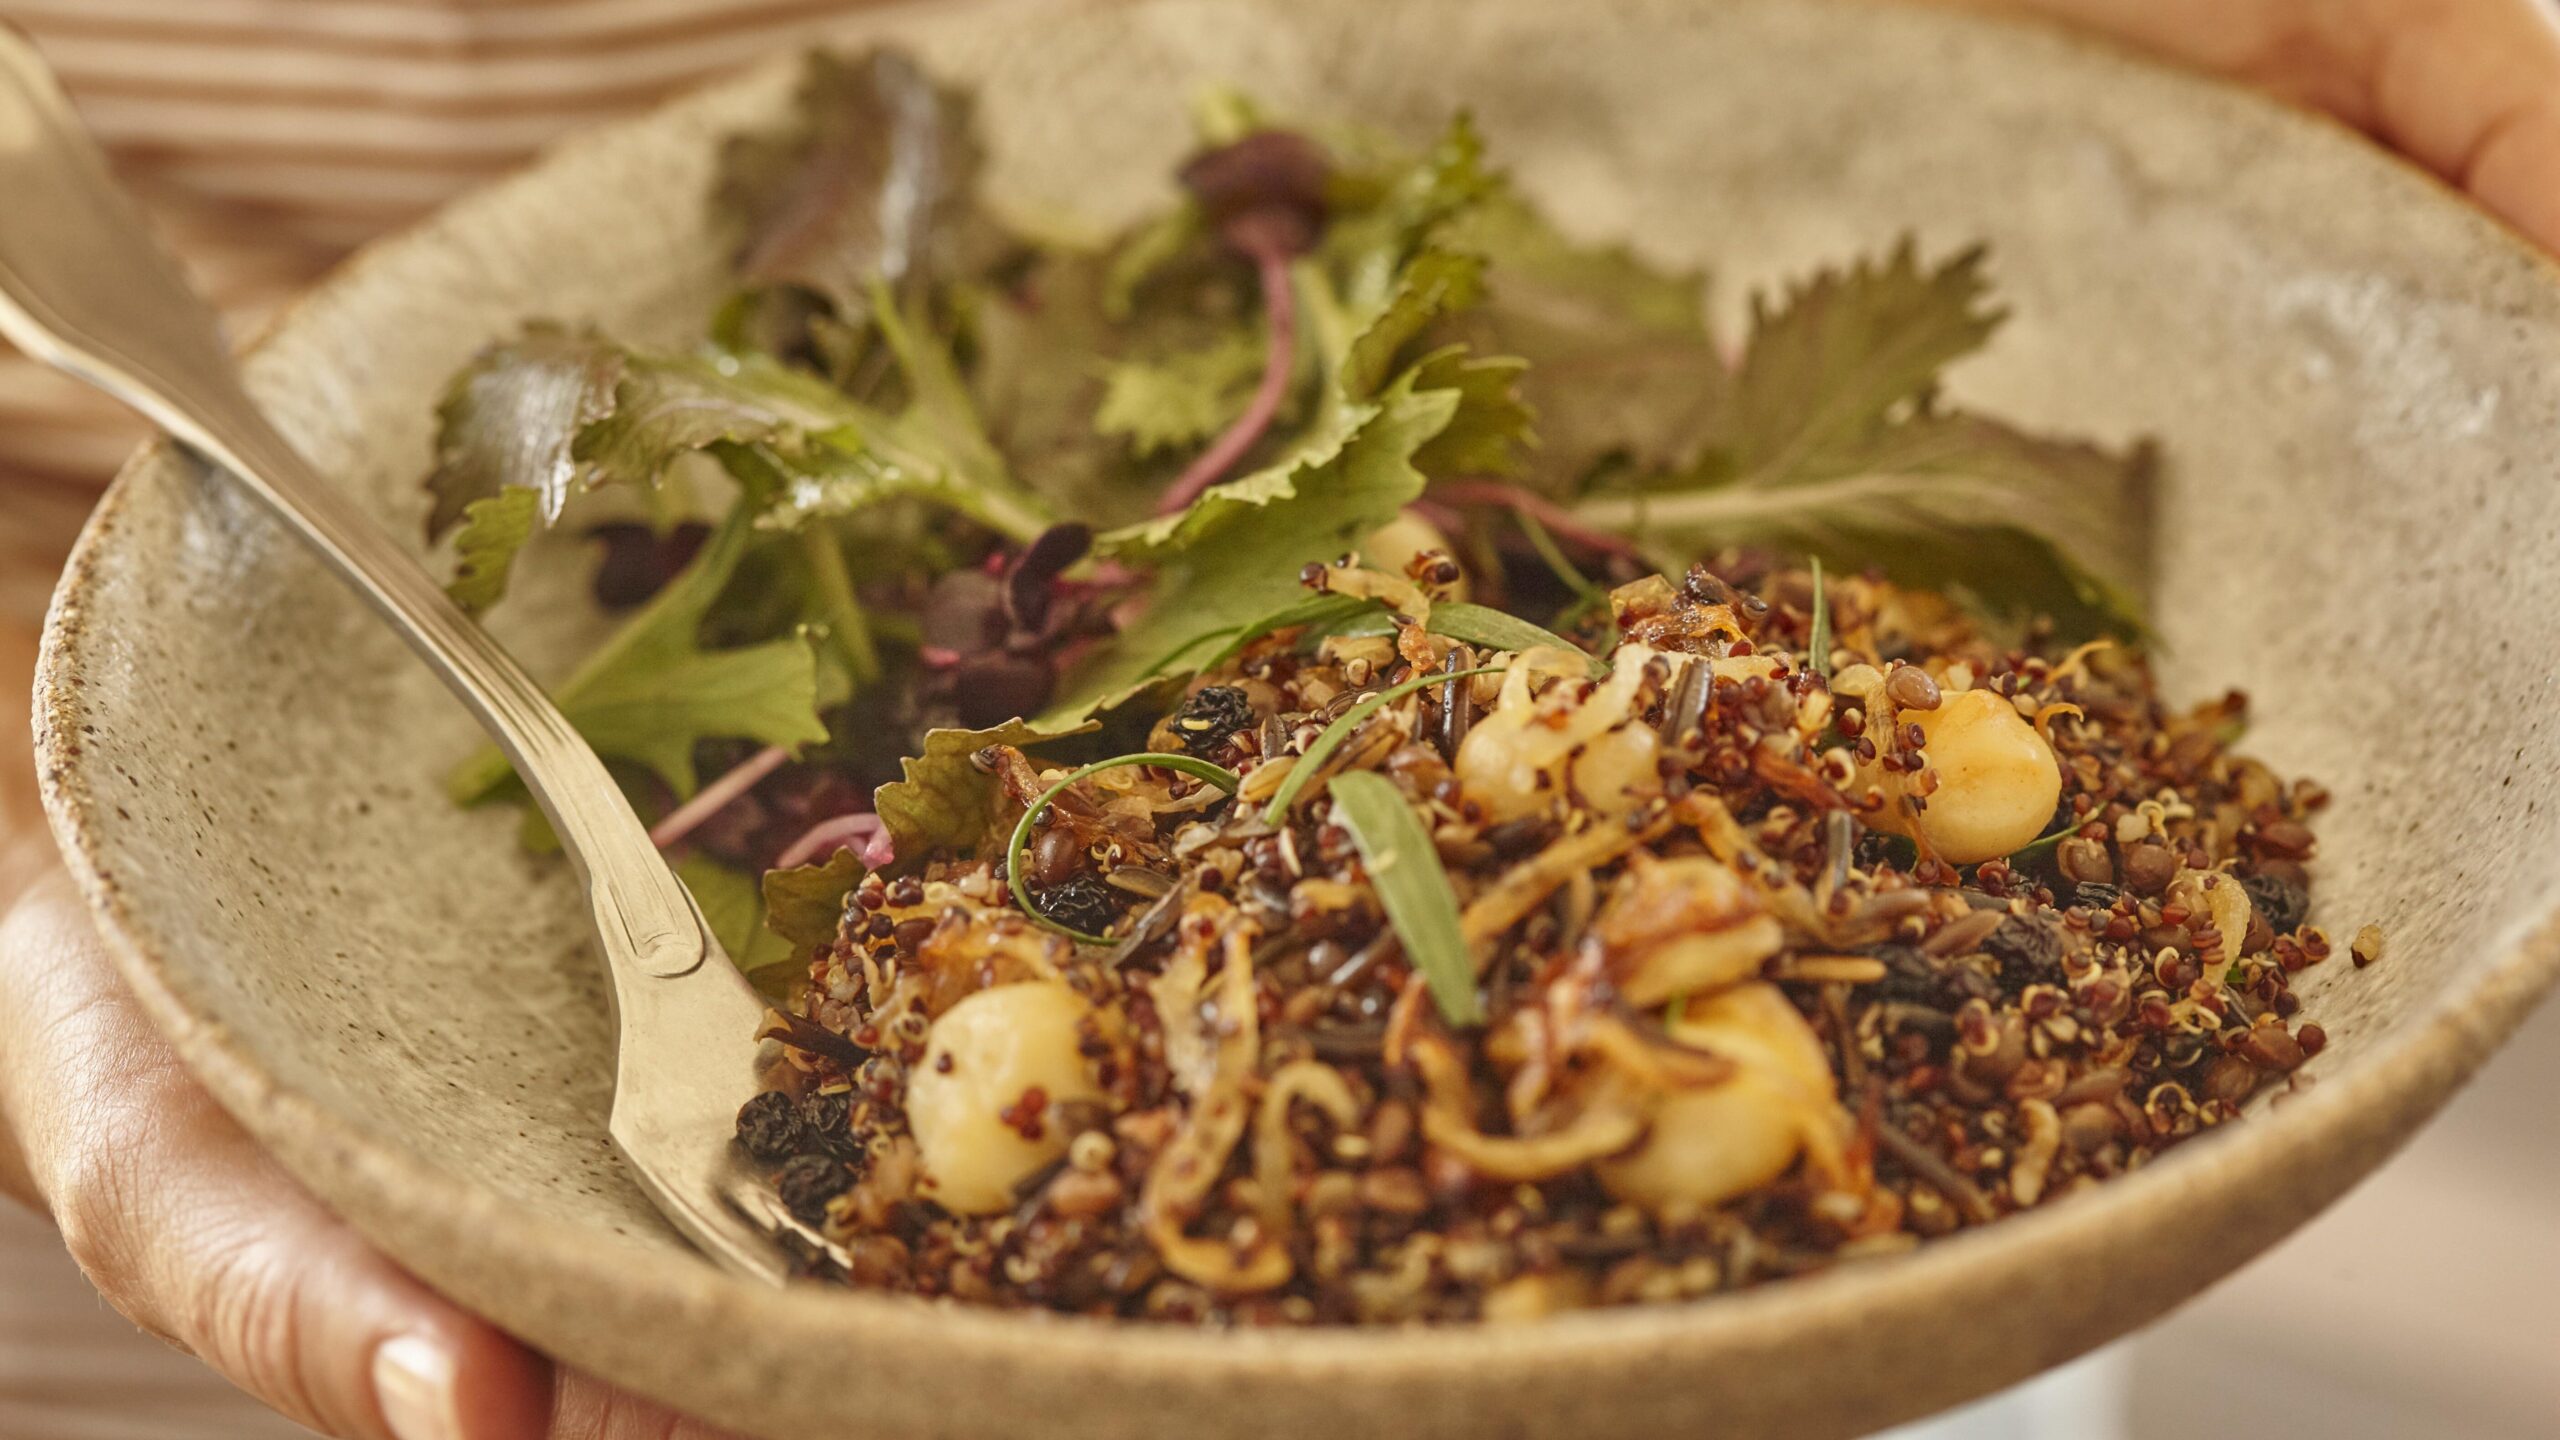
2353, 374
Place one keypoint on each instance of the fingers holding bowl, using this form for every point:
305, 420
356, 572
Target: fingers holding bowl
190, 1231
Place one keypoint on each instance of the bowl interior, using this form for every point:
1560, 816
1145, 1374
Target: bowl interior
2349, 371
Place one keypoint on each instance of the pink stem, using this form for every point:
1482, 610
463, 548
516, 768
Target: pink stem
841, 833
716, 796
1545, 511
1279, 366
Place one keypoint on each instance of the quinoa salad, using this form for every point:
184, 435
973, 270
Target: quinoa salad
1333, 753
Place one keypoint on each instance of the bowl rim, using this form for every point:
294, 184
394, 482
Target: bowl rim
2407, 1075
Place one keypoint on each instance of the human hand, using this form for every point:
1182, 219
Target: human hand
191, 1231
2470, 89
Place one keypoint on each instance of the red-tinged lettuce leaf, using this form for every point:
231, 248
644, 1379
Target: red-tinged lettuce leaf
533, 423
872, 181
946, 804
512, 419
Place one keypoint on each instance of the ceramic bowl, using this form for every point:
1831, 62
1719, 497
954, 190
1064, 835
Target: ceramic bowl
2350, 370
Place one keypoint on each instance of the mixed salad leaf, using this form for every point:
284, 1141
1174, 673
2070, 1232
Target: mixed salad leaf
958, 483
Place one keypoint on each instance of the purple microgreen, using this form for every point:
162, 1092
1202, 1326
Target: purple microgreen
717, 796
1264, 196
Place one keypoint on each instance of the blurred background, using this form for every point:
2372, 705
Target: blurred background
271, 136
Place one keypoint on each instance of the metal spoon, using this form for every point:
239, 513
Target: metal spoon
85, 288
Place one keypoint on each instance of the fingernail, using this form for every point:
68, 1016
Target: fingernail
413, 1383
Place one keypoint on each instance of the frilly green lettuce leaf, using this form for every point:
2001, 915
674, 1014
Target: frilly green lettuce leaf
1183, 399
946, 803
1831, 441
484, 549
805, 904
1234, 555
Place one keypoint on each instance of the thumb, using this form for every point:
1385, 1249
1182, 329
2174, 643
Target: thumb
194, 1234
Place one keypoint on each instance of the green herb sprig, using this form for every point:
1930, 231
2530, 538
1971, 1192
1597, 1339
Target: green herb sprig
1820, 641
1217, 775
1302, 774
1404, 866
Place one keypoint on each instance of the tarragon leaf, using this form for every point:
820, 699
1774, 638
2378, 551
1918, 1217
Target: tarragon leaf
946, 804
872, 181
1495, 630
1404, 868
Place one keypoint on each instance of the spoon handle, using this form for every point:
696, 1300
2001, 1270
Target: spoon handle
84, 287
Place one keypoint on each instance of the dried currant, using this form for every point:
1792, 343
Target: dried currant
1205, 721
769, 1127
809, 1182
1081, 902
2284, 902
2028, 949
